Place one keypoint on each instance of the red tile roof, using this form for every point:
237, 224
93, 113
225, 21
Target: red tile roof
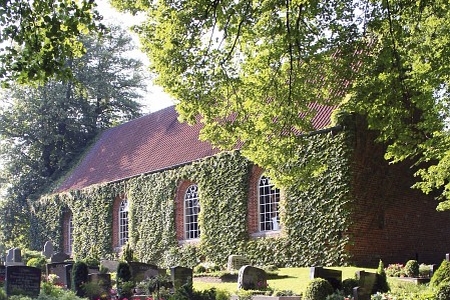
153, 142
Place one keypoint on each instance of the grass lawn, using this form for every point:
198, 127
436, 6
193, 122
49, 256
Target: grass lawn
294, 279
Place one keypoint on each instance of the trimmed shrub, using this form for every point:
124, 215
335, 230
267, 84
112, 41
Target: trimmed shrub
443, 290
348, 284
318, 289
412, 268
441, 274
37, 262
381, 284
80, 273
123, 272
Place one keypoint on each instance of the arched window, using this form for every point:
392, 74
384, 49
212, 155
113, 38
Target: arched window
70, 235
269, 200
191, 210
123, 222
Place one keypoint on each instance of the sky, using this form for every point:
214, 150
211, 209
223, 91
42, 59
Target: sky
155, 99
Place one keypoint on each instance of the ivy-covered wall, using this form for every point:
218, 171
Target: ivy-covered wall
315, 213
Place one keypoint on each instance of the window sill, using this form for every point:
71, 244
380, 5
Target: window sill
188, 242
261, 234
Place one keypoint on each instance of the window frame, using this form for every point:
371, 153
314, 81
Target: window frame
191, 210
268, 216
123, 222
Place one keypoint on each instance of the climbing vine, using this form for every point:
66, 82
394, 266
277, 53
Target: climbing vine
315, 212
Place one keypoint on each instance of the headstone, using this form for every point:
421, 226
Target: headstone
23, 280
180, 276
14, 257
68, 270
366, 283
111, 265
102, 280
141, 271
235, 262
59, 269
334, 277
93, 270
48, 249
59, 257
252, 278
447, 256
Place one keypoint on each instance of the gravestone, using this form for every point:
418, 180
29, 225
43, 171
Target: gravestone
334, 277
93, 270
180, 276
366, 283
59, 257
59, 269
23, 280
48, 249
14, 257
111, 265
68, 270
252, 278
235, 262
103, 281
447, 256
141, 271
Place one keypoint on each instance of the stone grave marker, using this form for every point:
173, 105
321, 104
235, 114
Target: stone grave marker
59, 257
334, 277
180, 276
48, 249
252, 278
59, 269
366, 282
93, 270
141, 271
68, 270
235, 262
23, 280
447, 256
14, 257
103, 281
111, 265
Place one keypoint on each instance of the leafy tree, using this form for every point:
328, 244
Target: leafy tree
45, 128
249, 69
38, 37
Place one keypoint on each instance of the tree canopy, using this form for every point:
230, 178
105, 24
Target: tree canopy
44, 129
249, 69
37, 37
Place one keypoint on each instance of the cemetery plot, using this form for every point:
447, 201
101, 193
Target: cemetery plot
23, 280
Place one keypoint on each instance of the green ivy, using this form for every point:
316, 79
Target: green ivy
315, 212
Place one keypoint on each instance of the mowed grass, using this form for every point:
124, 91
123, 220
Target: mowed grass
293, 279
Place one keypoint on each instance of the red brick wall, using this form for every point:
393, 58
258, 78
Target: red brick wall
252, 208
392, 222
179, 208
66, 232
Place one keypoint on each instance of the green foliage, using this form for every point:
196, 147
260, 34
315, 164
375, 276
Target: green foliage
412, 268
128, 253
443, 290
37, 262
318, 289
441, 274
381, 284
79, 277
186, 292
348, 284
47, 36
44, 129
123, 272
424, 270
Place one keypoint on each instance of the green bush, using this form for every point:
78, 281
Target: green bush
318, 289
412, 268
347, 286
37, 262
80, 273
443, 290
200, 269
424, 270
123, 272
381, 284
442, 273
